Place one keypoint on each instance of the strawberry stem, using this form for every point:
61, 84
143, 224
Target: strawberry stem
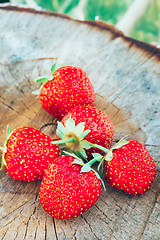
64, 141
101, 148
95, 159
85, 144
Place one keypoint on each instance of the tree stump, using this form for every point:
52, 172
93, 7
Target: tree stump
125, 74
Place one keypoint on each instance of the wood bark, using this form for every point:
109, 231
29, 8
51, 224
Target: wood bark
126, 76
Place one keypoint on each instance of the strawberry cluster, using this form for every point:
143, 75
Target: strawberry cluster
84, 136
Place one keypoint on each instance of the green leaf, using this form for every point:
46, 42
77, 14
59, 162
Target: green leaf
98, 176
42, 79
72, 155
60, 133
4, 150
86, 144
53, 68
120, 144
70, 125
86, 168
78, 154
77, 160
61, 128
84, 134
79, 128
97, 158
8, 131
83, 153
37, 92
100, 164
96, 155
109, 156
3, 162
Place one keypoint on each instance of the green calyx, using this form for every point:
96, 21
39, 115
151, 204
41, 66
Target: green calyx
74, 144
109, 156
118, 145
87, 167
73, 138
4, 148
44, 79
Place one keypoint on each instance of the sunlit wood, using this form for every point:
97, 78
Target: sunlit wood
126, 76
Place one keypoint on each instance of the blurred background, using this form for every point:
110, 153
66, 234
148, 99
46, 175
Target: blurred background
139, 19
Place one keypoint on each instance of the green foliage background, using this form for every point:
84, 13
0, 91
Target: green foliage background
146, 29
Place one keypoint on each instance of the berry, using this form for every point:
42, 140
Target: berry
68, 87
27, 153
95, 123
131, 169
65, 191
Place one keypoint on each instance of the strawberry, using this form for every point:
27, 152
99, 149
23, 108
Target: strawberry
66, 191
131, 168
67, 87
27, 153
88, 123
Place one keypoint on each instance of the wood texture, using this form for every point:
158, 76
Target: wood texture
126, 76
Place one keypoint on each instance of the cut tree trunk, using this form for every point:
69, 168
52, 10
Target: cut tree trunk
126, 76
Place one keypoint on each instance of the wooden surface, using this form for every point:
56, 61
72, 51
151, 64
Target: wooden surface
126, 76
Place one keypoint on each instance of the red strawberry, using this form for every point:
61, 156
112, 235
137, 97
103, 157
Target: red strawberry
65, 191
131, 169
97, 125
27, 153
67, 87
